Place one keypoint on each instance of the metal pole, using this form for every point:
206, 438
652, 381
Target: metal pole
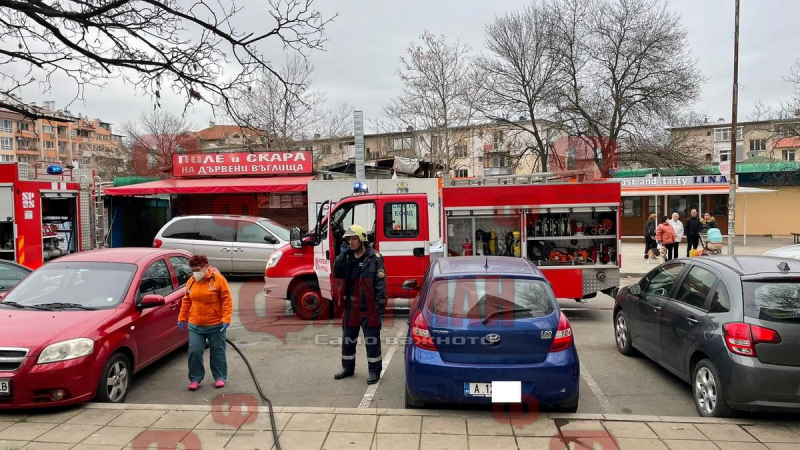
732, 195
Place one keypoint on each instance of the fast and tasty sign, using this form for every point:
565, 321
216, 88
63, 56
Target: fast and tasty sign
225, 164
674, 181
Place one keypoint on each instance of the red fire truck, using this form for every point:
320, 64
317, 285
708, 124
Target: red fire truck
569, 229
46, 211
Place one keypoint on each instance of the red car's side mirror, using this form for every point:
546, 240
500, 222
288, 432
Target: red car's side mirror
151, 301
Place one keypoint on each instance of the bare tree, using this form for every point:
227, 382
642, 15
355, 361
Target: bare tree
665, 145
434, 99
154, 139
626, 64
195, 49
119, 164
333, 125
282, 106
519, 79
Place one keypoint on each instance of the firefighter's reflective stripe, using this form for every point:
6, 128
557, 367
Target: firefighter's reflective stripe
374, 360
349, 358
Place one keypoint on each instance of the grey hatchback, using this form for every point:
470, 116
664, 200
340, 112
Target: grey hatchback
730, 326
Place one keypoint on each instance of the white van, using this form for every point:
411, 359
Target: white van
232, 244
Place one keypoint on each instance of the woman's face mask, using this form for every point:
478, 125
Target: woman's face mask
199, 274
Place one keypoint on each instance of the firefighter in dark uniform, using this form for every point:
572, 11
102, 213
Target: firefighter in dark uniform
360, 280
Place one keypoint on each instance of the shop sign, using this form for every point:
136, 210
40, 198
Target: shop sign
697, 180
229, 164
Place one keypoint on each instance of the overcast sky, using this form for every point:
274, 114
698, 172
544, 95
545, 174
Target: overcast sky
368, 37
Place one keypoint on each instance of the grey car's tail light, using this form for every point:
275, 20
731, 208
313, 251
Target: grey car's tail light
741, 338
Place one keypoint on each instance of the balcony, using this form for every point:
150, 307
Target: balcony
28, 151
494, 171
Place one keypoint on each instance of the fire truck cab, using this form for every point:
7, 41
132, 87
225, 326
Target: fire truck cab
569, 229
45, 212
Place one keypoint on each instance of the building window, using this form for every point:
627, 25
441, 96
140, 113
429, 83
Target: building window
757, 145
86, 161
49, 145
724, 155
708, 157
74, 133
400, 143
461, 151
463, 173
496, 159
6, 143
787, 129
6, 126
436, 142
788, 155
724, 134
632, 207
401, 220
23, 126
497, 139
572, 163
47, 129
6, 158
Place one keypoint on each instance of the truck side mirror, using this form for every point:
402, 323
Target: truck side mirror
295, 238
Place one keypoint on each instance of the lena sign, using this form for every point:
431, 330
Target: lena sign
227, 164
698, 180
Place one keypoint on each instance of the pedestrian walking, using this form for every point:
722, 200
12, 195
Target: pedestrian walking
676, 225
649, 235
707, 223
665, 236
208, 307
692, 232
360, 278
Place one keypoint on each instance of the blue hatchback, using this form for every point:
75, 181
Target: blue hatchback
480, 321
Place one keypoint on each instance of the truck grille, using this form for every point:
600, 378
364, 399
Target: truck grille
12, 358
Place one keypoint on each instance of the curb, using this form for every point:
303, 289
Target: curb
442, 413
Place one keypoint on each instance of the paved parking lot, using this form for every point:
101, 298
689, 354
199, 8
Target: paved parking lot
295, 362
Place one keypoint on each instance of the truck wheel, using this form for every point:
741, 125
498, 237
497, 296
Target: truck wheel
115, 379
307, 301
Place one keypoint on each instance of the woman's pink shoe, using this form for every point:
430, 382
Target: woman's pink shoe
219, 384
194, 385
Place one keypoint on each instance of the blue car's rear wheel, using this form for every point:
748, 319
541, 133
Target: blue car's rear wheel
412, 402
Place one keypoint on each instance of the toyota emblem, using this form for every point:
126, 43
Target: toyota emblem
492, 338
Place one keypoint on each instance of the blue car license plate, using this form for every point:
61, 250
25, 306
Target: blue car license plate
478, 389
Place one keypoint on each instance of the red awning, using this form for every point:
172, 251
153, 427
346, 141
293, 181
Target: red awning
215, 186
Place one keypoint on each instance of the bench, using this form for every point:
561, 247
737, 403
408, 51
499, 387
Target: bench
796, 237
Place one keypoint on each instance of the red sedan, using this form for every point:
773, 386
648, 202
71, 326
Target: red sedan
79, 327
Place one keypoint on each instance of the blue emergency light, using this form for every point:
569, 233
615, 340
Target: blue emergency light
360, 188
55, 169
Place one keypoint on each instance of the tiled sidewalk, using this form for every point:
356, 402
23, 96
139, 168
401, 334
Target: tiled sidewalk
114, 427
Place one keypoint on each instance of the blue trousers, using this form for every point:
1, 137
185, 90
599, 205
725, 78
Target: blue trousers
215, 336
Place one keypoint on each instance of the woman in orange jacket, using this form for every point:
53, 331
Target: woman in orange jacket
665, 236
208, 307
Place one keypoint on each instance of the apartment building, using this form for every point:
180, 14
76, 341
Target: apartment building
770, 139
61, 137
478, 150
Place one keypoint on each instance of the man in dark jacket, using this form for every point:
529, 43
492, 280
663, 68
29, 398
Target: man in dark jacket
692, 232
360, 280
650, 235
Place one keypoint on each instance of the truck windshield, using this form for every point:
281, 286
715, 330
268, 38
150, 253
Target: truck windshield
477, 298
96, 285
772, 300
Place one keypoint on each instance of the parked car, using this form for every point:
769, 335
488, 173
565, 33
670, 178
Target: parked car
11, 274
483, 320
729, 326
233, 244
790, 251
79, 327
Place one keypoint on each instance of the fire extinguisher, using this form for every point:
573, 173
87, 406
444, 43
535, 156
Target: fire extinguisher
466, 249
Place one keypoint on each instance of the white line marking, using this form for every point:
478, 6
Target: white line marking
596, 390
372, 388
